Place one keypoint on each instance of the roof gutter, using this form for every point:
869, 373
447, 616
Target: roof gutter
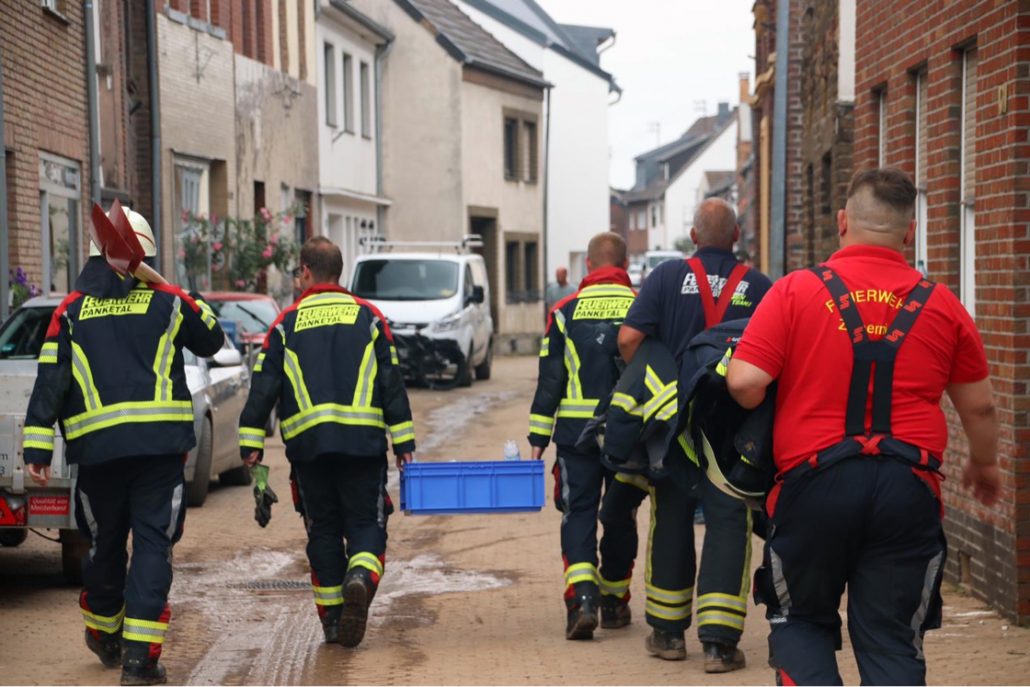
91, 102
547, 176
5, 257
382, 50
154, 93
778, 170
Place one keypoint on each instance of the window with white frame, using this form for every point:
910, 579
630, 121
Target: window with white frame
60, 188
329, 63
192, 207
921, 252
967, 218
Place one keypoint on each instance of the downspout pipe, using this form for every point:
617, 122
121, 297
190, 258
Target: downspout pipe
547, 181
154, 90
382, 50
91, 102
778, 168
5, 229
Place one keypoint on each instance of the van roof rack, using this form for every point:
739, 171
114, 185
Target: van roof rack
379, 244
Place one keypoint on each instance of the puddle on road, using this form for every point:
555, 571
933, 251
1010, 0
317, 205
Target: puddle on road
446, 420
262, 623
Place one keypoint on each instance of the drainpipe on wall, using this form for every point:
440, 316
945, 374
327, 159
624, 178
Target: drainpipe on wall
154, 91
5, 257
381, 52
547, 167
778, 169
91, 102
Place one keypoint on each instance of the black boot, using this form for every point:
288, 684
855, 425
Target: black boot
331, 624
357, 595
722, 658
615, 612
143, 670
107, 647
667, 645
582, 612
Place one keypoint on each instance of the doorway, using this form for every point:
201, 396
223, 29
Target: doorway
485, 227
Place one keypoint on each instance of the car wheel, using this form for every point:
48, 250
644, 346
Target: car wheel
483, 368
237, 477
13, 537
196, 491
465, 370
73, 548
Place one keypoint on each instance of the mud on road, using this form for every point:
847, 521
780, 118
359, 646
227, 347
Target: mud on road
465, 599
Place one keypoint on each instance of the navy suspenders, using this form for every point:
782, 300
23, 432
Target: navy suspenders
873, 359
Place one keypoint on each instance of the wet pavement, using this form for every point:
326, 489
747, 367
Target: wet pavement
465, 599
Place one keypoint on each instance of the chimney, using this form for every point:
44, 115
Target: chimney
744, 79
724, 111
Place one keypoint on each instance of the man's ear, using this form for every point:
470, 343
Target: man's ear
736, 233
693, 235
910, 235
842, 222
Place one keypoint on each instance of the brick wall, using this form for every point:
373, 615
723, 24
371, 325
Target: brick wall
990, 548
44, 110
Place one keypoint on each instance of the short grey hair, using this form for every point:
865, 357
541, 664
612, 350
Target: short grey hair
714, 222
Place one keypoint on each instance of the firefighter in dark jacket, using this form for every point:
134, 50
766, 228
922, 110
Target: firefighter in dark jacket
578, 367
680, 299
329, 362
111, 372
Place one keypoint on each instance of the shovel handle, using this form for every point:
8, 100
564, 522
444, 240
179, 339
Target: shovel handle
149, 274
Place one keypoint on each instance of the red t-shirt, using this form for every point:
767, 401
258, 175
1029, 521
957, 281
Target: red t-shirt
797, 336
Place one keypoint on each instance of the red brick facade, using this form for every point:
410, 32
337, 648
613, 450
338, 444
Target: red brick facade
44, 82
989, 548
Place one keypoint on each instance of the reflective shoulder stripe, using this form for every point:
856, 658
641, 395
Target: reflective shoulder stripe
367, 370
166, 354
207, 315
559, 319
84, 376
609, 290
296, 377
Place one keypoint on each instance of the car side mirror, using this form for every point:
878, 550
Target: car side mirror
227, 357
478, 295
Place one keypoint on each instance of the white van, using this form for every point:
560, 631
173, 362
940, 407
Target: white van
437, 305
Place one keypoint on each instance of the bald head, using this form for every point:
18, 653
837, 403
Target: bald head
606, 249
880, 208
715, 225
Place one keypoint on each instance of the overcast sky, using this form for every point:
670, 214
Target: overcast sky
668, 55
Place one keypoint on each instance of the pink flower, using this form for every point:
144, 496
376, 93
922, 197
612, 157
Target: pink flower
266, 214
240, 283
274, 238
217, 245
267, 252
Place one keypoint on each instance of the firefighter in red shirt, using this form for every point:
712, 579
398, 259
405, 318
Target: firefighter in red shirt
862, 347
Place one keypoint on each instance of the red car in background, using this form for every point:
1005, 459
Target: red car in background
254, 313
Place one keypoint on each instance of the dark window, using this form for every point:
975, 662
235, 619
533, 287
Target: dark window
530, 284
366, 102
259, 197
511, 149
330, 83
303, 205
511, 269
531, 151
827, 184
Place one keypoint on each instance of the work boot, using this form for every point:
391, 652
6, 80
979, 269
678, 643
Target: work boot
722, 658
615, 612
357, 595
143, 670
582, 620
667, 645
107, 647
331, 624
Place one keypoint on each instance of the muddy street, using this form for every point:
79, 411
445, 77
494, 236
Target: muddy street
465, 599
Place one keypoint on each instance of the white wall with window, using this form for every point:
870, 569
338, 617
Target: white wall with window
967, 229
62, 238
192, 201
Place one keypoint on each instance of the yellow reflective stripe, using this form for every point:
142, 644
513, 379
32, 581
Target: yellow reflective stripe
252, 437
367, 372
614, 587
667, 411
688, 447
745, 581
719, 618
83, 375
723, 365
545, 346
166, 354
326, 299
559, 319
328, 596
738, 603
296, 377
48, 354
627, 403
404, 431
260, 361
666, 394
653, 381
669, 596
574, 388
581, 572
667, 612
578, 407
394, 359
331, 412
207, 315
130, 411
599, 290
149, 631
364, 559
541, 424
638, 481
110, 624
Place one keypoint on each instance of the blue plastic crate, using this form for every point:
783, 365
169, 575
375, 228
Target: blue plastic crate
502, 486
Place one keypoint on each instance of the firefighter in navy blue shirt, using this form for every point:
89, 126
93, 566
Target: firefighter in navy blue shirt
329, 362
579, 367
679, 299
111, 372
